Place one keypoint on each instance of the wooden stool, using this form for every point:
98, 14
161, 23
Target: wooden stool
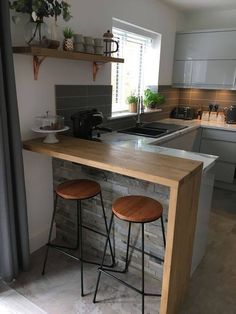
78, 190
133, 209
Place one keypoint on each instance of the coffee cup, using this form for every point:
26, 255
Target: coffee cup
78, 38
89, 40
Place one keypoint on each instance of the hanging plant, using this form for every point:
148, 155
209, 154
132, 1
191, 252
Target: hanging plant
36, 32
38, 9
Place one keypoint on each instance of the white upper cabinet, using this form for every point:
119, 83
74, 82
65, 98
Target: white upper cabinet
182, 73
206, 45
214, 73
205, 60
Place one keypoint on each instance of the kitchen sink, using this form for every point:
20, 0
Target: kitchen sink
148, 132
154, 129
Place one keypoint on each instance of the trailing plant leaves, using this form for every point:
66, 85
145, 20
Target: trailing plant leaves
42, 8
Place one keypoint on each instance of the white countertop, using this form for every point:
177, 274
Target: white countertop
151, 144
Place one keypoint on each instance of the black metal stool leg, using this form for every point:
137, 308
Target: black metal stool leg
79, 222
163, 231
127, 251
109, 240
50, 234
142, 268
103, 258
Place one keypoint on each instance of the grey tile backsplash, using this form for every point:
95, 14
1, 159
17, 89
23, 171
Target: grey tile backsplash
73, 98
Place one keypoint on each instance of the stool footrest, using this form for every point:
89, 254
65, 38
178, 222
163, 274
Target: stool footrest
58, 248
107, 272
146, 253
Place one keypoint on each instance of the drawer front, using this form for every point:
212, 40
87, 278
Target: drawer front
220, 135
225, 150
224, 172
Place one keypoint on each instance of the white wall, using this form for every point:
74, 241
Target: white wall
209, 19
35, 97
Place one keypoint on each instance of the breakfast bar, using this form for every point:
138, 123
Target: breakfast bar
181, 176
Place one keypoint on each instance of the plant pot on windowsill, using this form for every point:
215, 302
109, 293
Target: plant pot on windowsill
133, 107
132, 101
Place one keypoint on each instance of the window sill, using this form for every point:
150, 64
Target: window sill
126, 114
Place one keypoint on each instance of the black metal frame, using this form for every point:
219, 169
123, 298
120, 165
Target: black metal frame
108, 271
79, 243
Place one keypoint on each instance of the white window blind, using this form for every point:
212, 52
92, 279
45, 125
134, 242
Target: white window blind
128, 78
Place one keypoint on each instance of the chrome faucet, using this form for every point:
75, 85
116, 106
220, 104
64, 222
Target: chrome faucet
140, 110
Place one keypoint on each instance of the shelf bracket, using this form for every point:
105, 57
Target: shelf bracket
36, 65
96, 67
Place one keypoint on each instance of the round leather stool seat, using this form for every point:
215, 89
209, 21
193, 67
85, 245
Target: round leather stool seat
135, 208
78, 189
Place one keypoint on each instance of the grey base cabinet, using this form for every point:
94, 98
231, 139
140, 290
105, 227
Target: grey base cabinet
222, 144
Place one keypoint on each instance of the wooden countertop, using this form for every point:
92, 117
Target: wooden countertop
153, 167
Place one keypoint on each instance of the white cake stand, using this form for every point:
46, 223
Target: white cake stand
51, 134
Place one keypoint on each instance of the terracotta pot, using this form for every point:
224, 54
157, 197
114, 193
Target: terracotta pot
133, 108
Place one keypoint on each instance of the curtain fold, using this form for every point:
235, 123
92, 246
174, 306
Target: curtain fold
14, 239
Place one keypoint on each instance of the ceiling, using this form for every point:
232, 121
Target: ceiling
202, 4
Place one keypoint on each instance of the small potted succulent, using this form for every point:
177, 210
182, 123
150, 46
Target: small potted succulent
132, 101
152, 99
68, 43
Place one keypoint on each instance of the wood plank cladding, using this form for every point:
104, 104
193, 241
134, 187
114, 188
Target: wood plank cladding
183, 176
200, 98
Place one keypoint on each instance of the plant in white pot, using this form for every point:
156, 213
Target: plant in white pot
133, 103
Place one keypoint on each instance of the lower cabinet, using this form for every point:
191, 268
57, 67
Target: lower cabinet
222, 144
213, 142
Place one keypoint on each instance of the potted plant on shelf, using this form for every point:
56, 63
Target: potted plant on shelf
153, 99
36, 30
68, 43
132, 101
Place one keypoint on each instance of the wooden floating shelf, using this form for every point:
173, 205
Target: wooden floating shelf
39, 54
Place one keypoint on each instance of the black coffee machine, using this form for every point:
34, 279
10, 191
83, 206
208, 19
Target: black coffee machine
84, 122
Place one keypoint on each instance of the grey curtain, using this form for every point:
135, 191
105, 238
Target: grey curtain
14, 240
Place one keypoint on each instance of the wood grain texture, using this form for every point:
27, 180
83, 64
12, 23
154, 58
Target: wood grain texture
136, 208
72, 55
153, 167
78, 189
182, 216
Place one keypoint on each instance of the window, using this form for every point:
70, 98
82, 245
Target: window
141, 53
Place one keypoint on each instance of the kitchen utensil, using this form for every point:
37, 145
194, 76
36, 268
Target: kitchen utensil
230, 114
183, 112
49, 122
89, 48
205, 115
110, 43
79, 47
78, 38
84, 122
51, 134
89, 40
98, 42
50, 125
99, 50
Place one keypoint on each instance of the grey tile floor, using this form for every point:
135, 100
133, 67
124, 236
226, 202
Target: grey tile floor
212, 288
